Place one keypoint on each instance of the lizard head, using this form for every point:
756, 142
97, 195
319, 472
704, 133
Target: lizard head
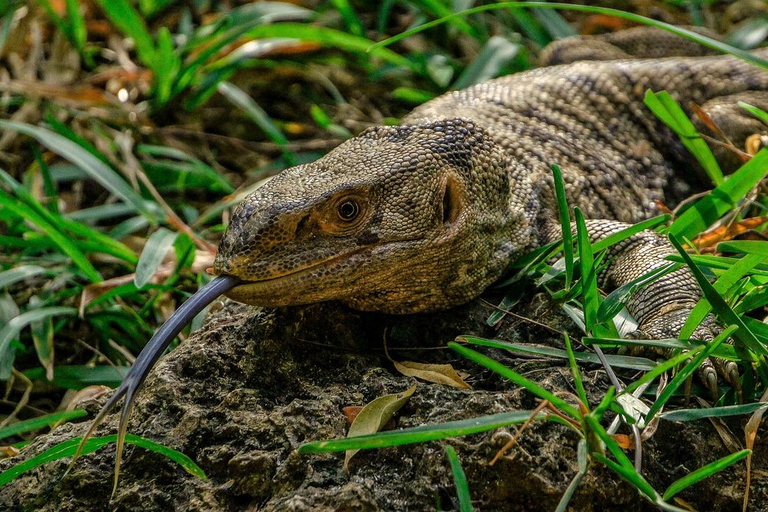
398, 219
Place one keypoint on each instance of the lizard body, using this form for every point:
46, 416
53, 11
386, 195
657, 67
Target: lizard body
439, 206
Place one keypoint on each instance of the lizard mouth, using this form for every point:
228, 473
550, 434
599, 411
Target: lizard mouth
288, 288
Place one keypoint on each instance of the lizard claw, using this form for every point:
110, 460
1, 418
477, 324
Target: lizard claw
730, 372
669, 325
708, 376
146, 361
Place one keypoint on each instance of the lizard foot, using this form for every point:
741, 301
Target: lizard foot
668, 325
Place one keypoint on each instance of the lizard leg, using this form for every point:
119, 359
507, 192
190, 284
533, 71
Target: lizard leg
662, 307
734, 123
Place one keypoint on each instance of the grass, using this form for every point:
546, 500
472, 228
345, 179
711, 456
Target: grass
113, 187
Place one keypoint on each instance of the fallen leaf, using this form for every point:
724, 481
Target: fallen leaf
750, 433
598, 23
374, 415
724, 233
351, 412
437, 373
624, 441
8, 452
86, 394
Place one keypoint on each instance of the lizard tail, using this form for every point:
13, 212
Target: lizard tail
146, 361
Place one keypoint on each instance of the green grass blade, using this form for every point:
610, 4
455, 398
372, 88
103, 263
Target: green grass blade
721, 309
610, 443
77, 25
515, 377
617, 299
590, 294
20, 273
722, 199
555, 24
583, 460
241, 100
79, 377
40, 422
669, 112
630, 362
703, 472
157, 246
459, 480
418, 434
582, 394
350, 17
528, 25
102, 243
130, 23
727, 352
166, 67
497, 53
69, 447
12, 329
629, 231
95, 168
712, 412
442, 8
630, 475
636, 18
757, 247
565, 223
329, 37
722, 285
686, 372
62, 241
758, 113
661, 368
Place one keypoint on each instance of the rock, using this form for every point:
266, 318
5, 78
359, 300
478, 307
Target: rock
246, 390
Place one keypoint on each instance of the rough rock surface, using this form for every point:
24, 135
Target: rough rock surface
252, 385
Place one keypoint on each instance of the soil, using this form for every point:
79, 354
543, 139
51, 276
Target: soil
246, 390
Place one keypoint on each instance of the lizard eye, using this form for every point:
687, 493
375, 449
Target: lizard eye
349, 210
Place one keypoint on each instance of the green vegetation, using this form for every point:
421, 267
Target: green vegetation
156, 116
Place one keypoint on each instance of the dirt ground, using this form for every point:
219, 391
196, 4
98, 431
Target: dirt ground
246, 390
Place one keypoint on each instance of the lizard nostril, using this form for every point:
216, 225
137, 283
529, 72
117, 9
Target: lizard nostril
301, 226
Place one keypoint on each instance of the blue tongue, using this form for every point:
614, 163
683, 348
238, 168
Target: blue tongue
147, 359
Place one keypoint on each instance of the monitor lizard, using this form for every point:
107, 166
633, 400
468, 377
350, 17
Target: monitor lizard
426, 215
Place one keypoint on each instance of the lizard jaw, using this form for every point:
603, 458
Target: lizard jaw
287, 289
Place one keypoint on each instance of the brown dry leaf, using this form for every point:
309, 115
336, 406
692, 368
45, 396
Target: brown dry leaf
74, 95
436, 373
374, 415
750, 433
624, 441
724, 233
597, 23
684, 504
730, 441
351, 412
6, 452
708, 121
84, 395
663, 208
42, 338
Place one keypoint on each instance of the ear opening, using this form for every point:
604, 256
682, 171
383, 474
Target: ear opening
451, 204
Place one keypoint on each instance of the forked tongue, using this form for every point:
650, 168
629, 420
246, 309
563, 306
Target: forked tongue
147, 359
